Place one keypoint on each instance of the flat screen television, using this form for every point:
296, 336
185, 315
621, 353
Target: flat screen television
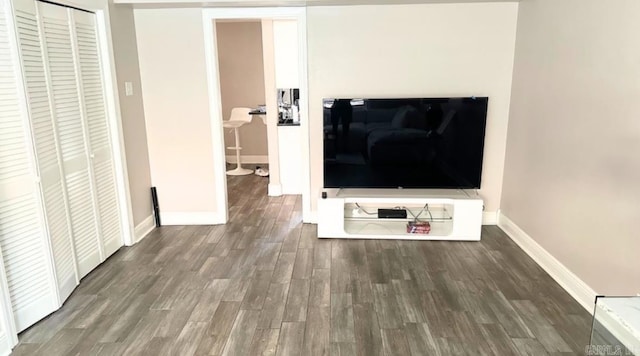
404, 143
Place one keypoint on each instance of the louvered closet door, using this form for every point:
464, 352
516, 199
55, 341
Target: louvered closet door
93, 99
47, 151
22, 233
69, 122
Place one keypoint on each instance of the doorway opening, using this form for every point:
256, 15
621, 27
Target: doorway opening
256, 65
242, 93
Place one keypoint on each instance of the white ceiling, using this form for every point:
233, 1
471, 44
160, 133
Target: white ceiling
279, 3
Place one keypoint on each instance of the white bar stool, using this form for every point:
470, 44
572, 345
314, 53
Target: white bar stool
239, 117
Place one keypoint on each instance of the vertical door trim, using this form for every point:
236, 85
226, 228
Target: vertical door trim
215, 114
9, 322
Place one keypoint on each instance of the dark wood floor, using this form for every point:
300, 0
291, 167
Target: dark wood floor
263, 284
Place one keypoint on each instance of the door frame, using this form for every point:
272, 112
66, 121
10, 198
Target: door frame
8, 330
215, 102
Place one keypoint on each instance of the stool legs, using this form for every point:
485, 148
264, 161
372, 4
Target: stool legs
238, 171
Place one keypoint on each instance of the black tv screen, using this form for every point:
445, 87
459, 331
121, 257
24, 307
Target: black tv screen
404, 143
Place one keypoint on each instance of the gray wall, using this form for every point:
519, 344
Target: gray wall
572, 167
123, 32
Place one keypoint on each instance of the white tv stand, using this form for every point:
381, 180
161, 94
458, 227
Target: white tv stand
352, 214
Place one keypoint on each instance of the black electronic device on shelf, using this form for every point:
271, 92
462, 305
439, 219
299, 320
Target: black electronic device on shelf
392, 213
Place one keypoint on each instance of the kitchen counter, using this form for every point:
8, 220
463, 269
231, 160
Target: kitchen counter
288, 123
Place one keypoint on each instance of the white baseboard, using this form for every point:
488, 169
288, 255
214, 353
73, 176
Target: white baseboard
274, 190
291, 190
144, 228
190, 218
5, 344
576, 287
260, 159
490, 218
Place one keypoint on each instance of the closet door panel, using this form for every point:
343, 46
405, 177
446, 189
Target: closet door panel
71, 135
23, 241
47, 152
88, 57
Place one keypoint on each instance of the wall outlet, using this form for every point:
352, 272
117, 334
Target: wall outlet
128, 88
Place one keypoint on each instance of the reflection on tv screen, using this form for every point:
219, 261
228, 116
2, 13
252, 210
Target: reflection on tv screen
408, 143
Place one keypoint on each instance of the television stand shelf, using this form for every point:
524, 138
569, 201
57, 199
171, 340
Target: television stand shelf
353, 213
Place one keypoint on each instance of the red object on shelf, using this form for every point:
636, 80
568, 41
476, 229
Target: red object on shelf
418, 227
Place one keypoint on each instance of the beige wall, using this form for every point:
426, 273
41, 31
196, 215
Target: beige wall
405, 50
432, 50
242, 81
123, 33
572, 168
174, 85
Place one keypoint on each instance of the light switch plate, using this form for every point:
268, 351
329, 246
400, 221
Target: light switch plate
128, 88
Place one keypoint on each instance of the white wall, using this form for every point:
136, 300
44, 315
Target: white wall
393, 50
285, 44
572, 167
174, 85
432, 50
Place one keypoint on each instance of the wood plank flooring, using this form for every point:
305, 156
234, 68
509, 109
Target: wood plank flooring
263, 284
